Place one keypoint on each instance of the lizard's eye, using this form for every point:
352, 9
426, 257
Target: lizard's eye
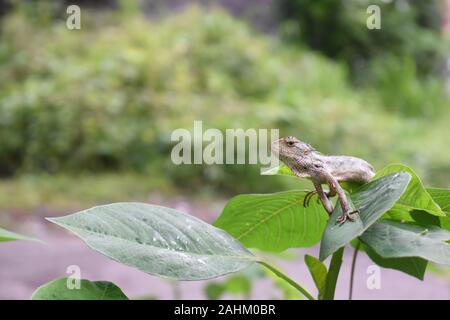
290, 143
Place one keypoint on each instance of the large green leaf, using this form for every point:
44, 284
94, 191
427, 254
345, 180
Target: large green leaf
158, 240
424, 219
413, 266
6, 235
442, 198
445, 222
399, 213
88, 290
273, 222
373, 200
403, 214
333, 274
415, 196
318, 272
392, 239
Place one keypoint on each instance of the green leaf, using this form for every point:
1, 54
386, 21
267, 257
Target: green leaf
403, 214
318, 272
158, 240
89, 290
273, 222
425, 219
420, 217
415, 196
392, 239
333, 274
445, 222
281, 170
413, 266
399, 213
6, 235
373, 200
441, 197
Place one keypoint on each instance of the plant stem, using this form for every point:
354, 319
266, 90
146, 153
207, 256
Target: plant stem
287, 279
333, 273
352, 271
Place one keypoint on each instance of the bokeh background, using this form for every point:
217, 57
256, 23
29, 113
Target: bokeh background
86, 117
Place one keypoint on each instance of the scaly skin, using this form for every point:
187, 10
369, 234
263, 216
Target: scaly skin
308, 163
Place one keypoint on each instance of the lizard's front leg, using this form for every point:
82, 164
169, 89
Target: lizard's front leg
309, 195
343, 201
323, 196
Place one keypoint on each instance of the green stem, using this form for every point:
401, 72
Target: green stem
352, 272
333, 273
287, 279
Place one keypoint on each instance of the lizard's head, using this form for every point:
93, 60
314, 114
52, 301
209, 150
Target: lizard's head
290, 147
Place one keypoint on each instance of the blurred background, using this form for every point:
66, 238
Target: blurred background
86, 117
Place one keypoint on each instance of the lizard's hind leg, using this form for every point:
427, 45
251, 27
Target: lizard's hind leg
346, 212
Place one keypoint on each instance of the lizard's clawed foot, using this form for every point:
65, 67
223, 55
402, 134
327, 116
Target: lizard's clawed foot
346, 216
308, 197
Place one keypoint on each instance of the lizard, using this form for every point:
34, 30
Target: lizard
307, 162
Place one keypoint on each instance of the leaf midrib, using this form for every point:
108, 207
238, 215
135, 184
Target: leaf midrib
249, 258
256, 225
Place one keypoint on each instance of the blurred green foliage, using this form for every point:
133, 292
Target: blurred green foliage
242, 285
235, 285
108, 96
403, 60
409, 28
401, 89
30, 191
